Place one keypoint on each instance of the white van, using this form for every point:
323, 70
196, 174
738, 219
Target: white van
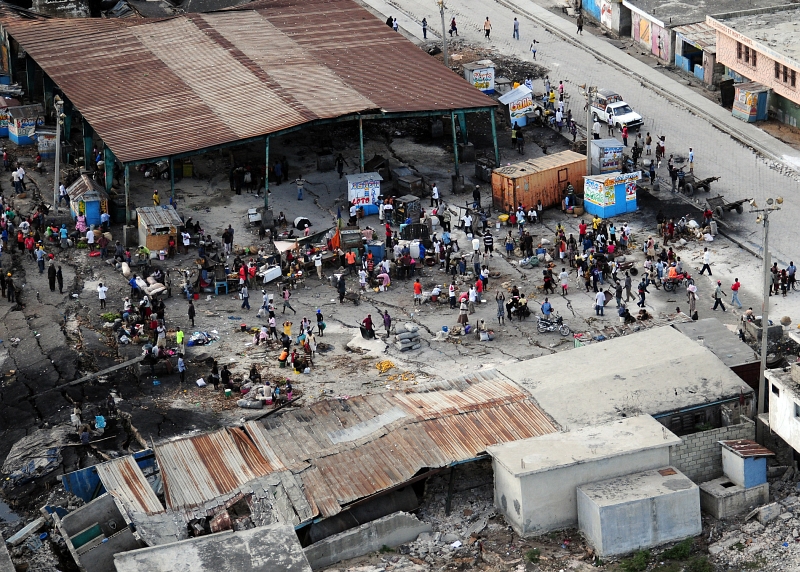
608, 102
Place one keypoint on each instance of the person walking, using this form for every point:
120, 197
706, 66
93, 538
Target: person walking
387, 321
11, 288
579, 22
246, 297
691, 160
51, 276
417, 292
625, 135
318, 264
60, 280
395, 27
706, 262
156, 198
286, 294
487, 27
599, 303
181, 368
424, 30
101, 294
515, 35
718, 294
735, 293
453, 27
642, 291
628, 283
179, 337
500, 298
564, 276
434, 195
618, 293
596, 129
191, 312
341, 288
691, 296
533, 48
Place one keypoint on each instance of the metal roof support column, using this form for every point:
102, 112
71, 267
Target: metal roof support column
171, 180
361, 144
88, 144
450, 484
455, 141
47, 88
266, 175
127, 197
462, 123
494, 139
68, 108
30, 75
108, 167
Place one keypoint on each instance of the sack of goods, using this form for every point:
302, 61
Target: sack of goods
408, 338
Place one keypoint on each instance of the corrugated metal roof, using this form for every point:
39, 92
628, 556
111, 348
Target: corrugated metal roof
385, 439
700, 34
159, 217
747, 448
199, 469
175, 85
86, 189
123, 478
26, 111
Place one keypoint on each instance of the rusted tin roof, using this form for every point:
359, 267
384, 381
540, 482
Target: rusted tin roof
199, 469
123, 478
176, 85
385, 439
747, 448
158, 217
700, 35
86, 189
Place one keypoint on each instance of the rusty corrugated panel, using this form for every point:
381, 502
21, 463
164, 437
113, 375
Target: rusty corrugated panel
175, 85
86, 188
198, 469
700, 34
747, 448
123, 478
258, 434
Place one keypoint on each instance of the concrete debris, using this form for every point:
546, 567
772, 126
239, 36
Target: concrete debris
768, 512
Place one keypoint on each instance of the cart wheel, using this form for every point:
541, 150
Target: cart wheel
634, 271
688, 188
719, 212
706, 188
739, 209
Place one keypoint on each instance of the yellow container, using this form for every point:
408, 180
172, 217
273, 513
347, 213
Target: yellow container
503, 218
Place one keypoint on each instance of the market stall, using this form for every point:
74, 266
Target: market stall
88, 198
22, 122
156, 225
5, 104
481, 75
364, 191
606, 156
611, 194
519, 102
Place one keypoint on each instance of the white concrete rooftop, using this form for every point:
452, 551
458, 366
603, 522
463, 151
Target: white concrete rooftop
638, 486
779, 30
656, 371
556, 450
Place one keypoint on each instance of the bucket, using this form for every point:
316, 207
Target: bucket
161, 254
227, 393
244, 327
497, 226
195, 296
445, 329
282, 364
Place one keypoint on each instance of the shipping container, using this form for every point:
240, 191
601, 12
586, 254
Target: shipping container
544, 179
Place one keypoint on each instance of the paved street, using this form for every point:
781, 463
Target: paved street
744, 173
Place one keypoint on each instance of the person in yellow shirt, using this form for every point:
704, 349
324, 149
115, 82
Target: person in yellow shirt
596, 223
156, 198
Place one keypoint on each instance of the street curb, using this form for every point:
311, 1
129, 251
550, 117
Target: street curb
724, 127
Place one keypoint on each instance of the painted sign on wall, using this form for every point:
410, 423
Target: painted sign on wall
364, 188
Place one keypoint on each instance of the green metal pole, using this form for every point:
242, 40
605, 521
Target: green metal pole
462, 122
455, 141
172, 179
108, 167
361, 143
266, 175
88, 143
494, 139
127, 196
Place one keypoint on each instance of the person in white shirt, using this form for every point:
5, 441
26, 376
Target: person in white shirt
706, 262
318, 264
90, 239
21, 173
62, 195
434, 196
600, 303
101, 294
187, 238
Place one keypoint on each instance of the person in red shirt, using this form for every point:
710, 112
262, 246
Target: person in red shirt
582, 231
735, 289
417, 292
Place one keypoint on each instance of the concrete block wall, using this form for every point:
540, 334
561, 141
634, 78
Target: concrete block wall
699, 457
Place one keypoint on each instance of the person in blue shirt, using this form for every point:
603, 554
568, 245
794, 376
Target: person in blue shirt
547, 308
134, 287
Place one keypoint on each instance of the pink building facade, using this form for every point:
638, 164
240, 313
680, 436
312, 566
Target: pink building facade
741, 54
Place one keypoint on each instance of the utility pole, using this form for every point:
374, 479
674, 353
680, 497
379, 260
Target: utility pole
59, 105
444, 31
589, 92
763, 217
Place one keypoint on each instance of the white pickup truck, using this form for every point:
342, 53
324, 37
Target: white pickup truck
609, 103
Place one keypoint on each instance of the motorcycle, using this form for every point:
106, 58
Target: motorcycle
552, 324
671, 284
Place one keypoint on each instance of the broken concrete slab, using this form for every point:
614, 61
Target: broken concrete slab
724, 544
5, 559
393, 530
769, 512
23, 534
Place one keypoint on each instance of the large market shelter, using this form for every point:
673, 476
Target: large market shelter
169, 88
